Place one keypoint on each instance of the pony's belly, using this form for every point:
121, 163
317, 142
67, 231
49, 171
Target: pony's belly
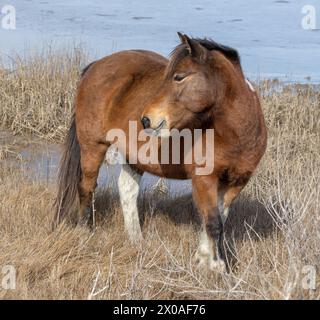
170, 171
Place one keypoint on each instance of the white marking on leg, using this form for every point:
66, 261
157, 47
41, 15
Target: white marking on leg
205, 249
128, 185
224, 215
221, 203
250, 85
224, 212
207, 256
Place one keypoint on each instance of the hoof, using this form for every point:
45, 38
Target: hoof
84, 221
84, 218
201, 261
218, 266
207, 263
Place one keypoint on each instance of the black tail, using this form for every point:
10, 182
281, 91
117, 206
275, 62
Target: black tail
69, 175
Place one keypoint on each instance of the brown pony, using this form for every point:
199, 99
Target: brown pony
201, 86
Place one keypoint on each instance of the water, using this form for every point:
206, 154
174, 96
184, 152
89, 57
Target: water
39, 161
267, 33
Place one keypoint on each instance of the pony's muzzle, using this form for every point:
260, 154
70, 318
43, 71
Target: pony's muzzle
146, 123
155, 125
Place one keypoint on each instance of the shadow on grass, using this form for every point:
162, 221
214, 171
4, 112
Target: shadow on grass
246, 215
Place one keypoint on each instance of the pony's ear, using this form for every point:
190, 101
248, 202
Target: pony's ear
194, 48
181, 36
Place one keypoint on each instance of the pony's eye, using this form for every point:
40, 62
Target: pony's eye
179, 77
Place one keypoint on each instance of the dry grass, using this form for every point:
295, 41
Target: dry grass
274, 226
36, 91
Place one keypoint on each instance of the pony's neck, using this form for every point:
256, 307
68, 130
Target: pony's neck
236, 112
237, 122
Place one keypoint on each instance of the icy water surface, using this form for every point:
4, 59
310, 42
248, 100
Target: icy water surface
268, 33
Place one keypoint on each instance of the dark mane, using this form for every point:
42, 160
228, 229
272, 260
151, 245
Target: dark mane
180, 52
85, 69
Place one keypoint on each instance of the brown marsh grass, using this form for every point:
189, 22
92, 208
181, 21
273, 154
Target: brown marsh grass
36, 91
274, 226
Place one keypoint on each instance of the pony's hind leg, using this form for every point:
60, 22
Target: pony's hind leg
227, 194
91, 159
128, 185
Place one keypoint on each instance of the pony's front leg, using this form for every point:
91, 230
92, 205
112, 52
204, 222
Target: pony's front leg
128, 185
205, 194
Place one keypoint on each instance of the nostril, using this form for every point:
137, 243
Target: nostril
145, 122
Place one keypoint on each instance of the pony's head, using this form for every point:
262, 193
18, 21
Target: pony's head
199, 76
